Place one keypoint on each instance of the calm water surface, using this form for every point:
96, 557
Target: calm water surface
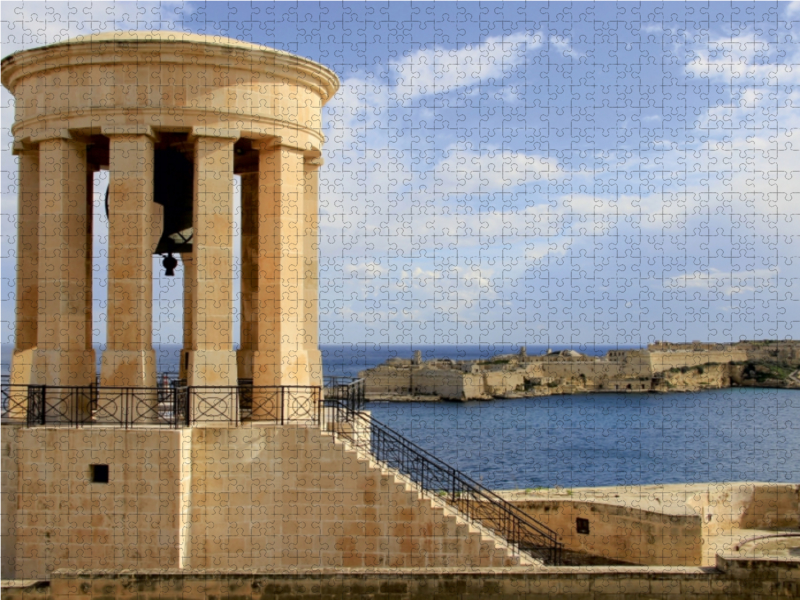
611, 439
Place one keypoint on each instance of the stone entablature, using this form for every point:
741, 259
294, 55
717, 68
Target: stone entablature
170, 81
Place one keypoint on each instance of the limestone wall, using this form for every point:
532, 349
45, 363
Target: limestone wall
502, 382
746, 505
732, 580
8, 500
219, 497
594, 371
439, 382
663, 361
65, 520
386, 380
623, 533
289, 496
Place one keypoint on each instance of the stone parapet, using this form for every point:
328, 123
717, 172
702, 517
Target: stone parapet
732, 580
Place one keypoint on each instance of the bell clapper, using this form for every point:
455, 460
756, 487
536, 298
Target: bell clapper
169, 263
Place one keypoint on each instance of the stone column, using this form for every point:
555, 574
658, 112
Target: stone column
280, 356
129, 358
64, 353
27, 274
247, 313
27, 299
212, 360
311, 270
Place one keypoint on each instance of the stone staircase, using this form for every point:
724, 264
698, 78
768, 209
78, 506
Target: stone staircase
488, 549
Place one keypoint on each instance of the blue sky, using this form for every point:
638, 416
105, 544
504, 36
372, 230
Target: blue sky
520, 172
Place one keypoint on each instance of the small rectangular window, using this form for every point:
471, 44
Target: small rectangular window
582, 525
99, 473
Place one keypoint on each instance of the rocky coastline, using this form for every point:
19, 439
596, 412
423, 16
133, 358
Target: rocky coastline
660, 368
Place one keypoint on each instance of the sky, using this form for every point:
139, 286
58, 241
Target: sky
526, 173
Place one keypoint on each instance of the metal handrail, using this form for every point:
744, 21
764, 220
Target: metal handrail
433, 475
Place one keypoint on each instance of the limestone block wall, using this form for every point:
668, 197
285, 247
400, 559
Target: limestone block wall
64, 520
733, 579
218, 497
746, 505
501, 382
663, 361
445, 383
291, 496
8, 501
623, 533
594, 371
386, 380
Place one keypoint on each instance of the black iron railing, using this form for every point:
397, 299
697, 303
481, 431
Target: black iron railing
166, 406
474, 501
92, 405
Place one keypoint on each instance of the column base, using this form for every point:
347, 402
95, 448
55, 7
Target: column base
64, 367
128, 368
315, 366
213, 368
22, 367
21, 375
290, 369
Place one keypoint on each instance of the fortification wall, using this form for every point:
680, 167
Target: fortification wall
733, 579
64, 520
594, 371
502, 382
623, 533
663, 361
223, 497
746, 505
450, 384
8, 501
386, 379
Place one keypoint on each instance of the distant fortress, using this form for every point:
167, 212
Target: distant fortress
661, 367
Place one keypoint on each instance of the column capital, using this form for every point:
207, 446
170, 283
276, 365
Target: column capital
271, 143
46, 134
129, 130
215, 132
314, 162
23, 147
266, 143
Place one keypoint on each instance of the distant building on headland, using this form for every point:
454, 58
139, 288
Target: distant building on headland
662, 366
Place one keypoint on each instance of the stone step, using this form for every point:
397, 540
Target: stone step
489, 540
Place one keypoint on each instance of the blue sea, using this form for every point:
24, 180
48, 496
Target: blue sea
348, 359
585, 440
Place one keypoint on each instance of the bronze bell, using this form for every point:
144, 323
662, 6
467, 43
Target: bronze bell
173, 181
173, 188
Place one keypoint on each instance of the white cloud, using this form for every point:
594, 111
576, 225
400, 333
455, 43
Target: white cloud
563, 45
437, 71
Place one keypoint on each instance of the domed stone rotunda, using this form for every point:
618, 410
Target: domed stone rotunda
172, 117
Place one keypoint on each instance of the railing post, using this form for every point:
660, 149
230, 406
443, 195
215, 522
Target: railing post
44, 405
189, 403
